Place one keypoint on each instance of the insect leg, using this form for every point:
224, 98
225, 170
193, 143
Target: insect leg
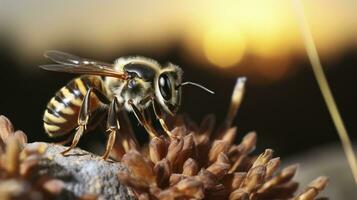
100, 96
160, 117
142, 120
83, 117
112, 126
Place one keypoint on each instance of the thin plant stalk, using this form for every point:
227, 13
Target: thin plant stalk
324, 87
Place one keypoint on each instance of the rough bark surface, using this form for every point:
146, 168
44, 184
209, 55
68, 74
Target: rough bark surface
84, 173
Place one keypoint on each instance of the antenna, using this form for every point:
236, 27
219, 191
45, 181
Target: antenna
197, 85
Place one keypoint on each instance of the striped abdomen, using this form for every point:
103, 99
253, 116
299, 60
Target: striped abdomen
62, 111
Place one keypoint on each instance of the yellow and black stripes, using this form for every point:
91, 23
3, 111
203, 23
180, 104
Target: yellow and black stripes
62, 110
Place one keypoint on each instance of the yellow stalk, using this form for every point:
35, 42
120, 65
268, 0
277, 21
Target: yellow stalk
324, 87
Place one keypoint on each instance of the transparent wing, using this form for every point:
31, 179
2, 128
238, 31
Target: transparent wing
74, 64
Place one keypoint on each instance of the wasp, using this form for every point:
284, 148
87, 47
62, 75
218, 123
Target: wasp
103, 90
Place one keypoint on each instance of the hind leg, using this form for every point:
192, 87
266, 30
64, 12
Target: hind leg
83, 117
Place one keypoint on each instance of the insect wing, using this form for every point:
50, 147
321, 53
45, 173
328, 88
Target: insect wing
63, 58
74, 64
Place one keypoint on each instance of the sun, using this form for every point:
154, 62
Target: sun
223, 46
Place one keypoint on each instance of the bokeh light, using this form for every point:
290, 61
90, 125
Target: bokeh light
224, 46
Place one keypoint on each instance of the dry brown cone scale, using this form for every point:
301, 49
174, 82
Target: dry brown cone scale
200, 163
18, 167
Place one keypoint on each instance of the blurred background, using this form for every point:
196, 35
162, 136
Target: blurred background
214, 42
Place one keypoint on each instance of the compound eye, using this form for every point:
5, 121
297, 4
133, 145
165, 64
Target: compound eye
165, 87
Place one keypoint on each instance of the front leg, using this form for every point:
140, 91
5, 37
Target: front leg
160, 116
139, 114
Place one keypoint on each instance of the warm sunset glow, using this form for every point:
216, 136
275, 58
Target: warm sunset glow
225, 33
223, 47
236, 27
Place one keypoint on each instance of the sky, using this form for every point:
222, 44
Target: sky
222, 32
